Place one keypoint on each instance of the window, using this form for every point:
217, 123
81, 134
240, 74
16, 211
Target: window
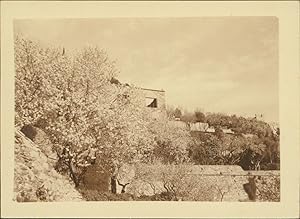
151, 102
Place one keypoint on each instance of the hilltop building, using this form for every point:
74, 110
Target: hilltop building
154, 98
155, 102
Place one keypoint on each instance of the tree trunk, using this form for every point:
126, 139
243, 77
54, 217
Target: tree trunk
113, 184
73, 174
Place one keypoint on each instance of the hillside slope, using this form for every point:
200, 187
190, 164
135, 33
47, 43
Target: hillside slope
35, 177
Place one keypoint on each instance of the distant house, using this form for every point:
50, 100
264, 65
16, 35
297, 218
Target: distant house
199, 126
202, 127
227, 131
211, 130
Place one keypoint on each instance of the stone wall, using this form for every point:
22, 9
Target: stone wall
204, 182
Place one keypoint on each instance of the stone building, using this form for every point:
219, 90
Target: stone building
155, 102
154, 98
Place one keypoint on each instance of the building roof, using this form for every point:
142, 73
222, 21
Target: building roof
152, 89
199, 126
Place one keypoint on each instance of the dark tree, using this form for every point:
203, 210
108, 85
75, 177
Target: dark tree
250, 188
177, 113
113, 184
200, 117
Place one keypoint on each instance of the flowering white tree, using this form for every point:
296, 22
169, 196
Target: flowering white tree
172, 142
74, 101
85, 111
34, 68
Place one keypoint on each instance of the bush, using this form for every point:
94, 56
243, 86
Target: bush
95, 195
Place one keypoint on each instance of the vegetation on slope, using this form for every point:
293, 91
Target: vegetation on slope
94, 123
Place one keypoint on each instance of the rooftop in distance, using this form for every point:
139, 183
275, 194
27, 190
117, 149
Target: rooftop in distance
152, 89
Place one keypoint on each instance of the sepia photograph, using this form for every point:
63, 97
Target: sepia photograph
147, 109
161, 109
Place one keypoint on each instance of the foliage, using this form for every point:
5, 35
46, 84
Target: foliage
170, 112
169, 182
172, 142
177, 113
259, 151
95, 195
205, 149
240, 124
34, 66
75, 99
87, 114
72, 99
269, 188
272, 150
200, 116
208, 149
178, 182
188, 117
219, 148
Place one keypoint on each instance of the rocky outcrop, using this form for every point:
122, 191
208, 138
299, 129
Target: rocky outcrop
35, 178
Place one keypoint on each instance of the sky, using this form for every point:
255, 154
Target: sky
216, 64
